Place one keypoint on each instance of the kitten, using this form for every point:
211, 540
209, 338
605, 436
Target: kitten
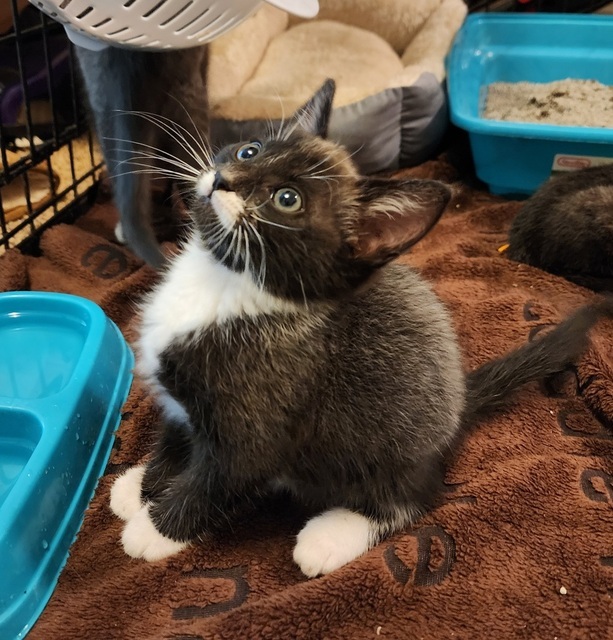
164, 87
287, 351
566, 228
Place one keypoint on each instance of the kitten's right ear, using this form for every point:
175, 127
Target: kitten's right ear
314, 116
394, 215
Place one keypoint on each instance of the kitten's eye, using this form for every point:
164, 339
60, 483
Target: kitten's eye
287, 200
249, 150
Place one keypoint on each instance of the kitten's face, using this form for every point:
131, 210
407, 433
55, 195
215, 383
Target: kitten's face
293, 213
276, 208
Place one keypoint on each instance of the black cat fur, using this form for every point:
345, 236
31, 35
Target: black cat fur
566, 228
340, 382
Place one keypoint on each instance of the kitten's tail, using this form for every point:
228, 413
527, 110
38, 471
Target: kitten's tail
489, 386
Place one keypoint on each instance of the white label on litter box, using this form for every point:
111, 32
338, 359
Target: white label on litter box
563, 162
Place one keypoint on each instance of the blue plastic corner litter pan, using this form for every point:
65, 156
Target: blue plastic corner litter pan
65, 371
516, 157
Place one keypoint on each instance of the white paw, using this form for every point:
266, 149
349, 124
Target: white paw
119, 233
331, 540
141, 539
125, 493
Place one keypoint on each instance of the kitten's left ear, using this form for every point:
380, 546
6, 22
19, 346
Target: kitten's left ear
314, 116
395, 214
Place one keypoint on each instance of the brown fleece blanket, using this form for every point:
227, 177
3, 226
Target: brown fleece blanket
521, 548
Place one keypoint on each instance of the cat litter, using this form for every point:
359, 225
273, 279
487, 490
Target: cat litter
500, 54
580, 103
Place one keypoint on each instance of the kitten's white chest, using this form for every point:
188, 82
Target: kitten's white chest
196, 293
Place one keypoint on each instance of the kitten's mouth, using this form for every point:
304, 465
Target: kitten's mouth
227, 205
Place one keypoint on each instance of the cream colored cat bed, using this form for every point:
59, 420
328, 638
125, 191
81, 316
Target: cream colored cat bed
387, 57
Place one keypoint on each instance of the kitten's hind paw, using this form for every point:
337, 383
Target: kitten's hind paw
141, 539
331, 540
125, 493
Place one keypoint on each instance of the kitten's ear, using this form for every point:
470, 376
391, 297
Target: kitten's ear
314, 116
395, 214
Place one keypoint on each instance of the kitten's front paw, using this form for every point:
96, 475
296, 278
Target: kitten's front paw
125, 493
331, 540
141, 539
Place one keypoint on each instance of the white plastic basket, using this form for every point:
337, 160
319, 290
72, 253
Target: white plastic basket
157, 24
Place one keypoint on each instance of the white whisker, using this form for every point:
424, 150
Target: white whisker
325, 177
247, 252
172, 175
282, 123
256, 207
179, 165
302, 112
231, 247
258, 237
317, 173
178, 137
313, 167
274, 224
239, 247
147, 168
219, 233
171, 128
153, 152
217, 238
174, 128
306, 304
200, 142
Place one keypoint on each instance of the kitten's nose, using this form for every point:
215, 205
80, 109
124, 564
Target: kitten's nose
220, 184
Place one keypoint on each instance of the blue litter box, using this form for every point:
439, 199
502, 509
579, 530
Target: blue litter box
515, 158
65, 371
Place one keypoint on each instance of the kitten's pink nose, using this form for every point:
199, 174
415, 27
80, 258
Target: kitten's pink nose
220, 183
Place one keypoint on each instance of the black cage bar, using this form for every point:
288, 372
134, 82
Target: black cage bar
48, 159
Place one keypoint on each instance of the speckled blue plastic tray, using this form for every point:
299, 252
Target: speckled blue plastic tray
65, 371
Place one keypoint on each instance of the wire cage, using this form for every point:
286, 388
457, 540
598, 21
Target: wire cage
50, 165
49, 162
